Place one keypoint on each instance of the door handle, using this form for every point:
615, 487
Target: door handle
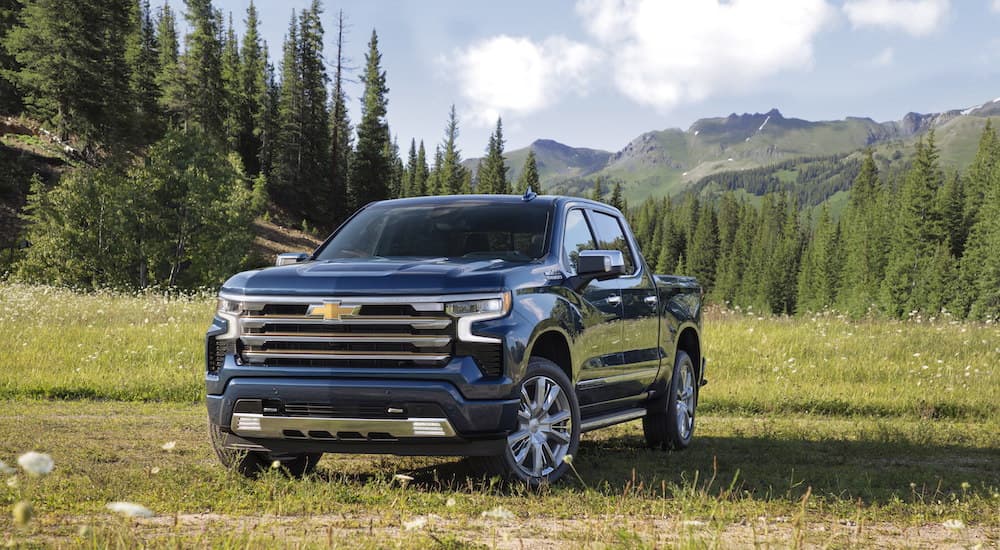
614, 299
651, 300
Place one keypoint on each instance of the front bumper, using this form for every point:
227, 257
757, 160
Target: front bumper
406, 417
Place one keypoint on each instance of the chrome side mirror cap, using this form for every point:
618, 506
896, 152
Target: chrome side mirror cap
601, 264
290, 258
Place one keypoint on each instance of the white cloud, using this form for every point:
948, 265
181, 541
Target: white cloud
670, 52
506, 74
996, 6
884, 58
916, 17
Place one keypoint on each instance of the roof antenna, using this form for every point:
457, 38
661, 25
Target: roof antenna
528, 194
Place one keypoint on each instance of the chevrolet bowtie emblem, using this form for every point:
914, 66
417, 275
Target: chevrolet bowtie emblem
332, 311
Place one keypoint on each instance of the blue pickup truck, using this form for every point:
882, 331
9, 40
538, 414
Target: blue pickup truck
494, 327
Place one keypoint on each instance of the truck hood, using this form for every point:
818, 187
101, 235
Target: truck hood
378, 276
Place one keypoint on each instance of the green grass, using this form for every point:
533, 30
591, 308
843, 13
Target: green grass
814, 431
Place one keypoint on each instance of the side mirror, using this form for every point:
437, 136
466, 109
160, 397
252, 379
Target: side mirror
600, 264
290, 258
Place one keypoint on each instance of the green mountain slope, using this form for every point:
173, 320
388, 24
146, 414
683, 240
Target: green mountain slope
666, 162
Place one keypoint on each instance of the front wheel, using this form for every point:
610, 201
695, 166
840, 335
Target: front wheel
669, 420
548, 427
252, 463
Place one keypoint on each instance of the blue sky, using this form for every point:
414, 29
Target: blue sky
597, 73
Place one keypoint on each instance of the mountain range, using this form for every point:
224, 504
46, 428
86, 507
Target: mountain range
666, 162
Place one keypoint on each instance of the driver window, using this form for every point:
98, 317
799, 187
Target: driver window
577, 237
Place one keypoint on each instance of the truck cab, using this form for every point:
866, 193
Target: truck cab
490, 326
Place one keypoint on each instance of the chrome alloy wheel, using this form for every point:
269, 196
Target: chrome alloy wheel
685, 401
545, 425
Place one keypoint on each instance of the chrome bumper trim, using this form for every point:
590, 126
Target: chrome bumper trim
416, 340
273, 427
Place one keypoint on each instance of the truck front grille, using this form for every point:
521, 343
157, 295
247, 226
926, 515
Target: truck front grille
353, 332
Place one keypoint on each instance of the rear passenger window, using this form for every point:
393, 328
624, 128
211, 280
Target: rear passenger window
611, 237
577, 237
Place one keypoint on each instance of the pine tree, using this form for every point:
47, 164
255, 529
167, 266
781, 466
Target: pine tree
980, 172
617, 200
10, 96
256, 125
287, 171
72, 66
451, 173
529, 175
202, 61
597, 194
434, 181
422, 173
704, 248
340, 135
232, 88
143, 58
865, 240
409, 180
316, 194
370, 169
819, 274
170, 76
980, 265
492, 170
918, 232
951, 204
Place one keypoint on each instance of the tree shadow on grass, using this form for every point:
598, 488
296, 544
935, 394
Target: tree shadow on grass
766, 467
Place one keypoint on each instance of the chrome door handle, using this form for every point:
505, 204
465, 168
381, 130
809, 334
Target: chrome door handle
651, 300
614, 299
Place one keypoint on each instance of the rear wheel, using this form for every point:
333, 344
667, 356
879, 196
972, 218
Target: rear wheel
669, 420
548, 427
252, 463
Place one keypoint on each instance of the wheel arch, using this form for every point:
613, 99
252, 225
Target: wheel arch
689, 341
553, 345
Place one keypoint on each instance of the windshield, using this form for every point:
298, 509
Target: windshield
461, 229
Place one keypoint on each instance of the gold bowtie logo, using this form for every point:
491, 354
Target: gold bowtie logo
332, 311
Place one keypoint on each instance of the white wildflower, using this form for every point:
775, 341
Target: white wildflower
693, 523
169, 446
276, 464
13, 483
568, 459
403, 479
416, 523
154, 470
955, 524
498, 513
36, 464
130, 509
450, 503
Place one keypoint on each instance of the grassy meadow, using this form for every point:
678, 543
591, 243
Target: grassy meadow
813, 431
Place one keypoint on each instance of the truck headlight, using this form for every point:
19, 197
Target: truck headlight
230, 311
498, 307
470, 311
231, 307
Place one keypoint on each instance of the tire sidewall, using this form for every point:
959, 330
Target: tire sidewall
539, 366
674, 436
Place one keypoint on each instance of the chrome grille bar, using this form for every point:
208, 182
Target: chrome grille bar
430, 323
419, 341
261, 356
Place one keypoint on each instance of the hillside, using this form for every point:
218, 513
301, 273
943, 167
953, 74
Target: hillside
665, 162
26, 149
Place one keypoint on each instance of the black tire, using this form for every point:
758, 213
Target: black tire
662, 424
552, 441
252, 463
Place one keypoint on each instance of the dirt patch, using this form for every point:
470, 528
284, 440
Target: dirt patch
547, 532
